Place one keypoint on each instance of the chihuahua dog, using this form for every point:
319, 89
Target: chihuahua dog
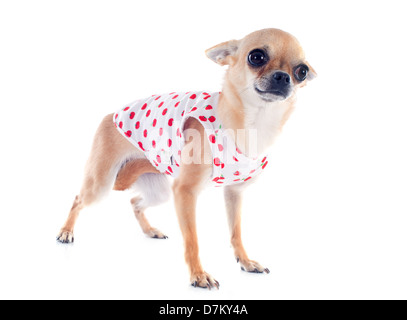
199, 138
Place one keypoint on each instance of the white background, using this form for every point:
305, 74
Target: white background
328, 217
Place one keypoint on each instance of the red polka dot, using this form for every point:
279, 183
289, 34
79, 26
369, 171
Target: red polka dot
145, 133
148, 113
161, 104
121, 125
153, 143
157, 98
144, 106
165, 111
175, 97
128, 133
170, 122
176, 105
116, 115
216, 162
154, 122
220, 147
127, 108
265, 165
212, 138
132, 115
202, 118
140, 144
212, 119
170, 169
193, 96
208, 107
207, 97
137, 124
169, 142
158, 158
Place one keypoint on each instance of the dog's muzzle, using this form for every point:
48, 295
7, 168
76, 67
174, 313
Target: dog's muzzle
277, 86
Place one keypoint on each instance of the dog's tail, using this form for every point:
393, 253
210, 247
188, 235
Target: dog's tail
154, 188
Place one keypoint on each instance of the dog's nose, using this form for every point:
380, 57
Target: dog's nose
281, 79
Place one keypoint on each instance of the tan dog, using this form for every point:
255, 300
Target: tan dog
265, 70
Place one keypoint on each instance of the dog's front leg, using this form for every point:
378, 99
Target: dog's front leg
233, 199
186, 189
194, 172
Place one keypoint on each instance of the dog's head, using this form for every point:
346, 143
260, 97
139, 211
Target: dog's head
266, 65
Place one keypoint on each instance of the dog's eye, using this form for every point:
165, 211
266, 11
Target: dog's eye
301, 72
257, 58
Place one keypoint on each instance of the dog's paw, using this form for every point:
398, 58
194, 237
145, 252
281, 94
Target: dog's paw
156, 234
204, 280
65, 237
252, 266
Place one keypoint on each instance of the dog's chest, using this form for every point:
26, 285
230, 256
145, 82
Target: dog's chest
265, 124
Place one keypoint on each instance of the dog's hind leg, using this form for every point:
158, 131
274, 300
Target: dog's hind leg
154, 189
108, 153
66, 233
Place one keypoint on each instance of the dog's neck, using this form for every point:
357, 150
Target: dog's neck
255, 124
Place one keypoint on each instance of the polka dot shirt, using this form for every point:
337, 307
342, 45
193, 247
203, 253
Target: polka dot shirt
155, 126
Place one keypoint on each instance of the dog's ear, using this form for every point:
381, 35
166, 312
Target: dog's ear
311, 73
223, 53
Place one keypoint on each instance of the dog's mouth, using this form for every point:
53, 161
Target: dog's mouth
271, 95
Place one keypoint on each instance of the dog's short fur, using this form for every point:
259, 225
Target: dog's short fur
265, 70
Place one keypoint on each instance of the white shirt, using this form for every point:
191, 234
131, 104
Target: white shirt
155, 126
